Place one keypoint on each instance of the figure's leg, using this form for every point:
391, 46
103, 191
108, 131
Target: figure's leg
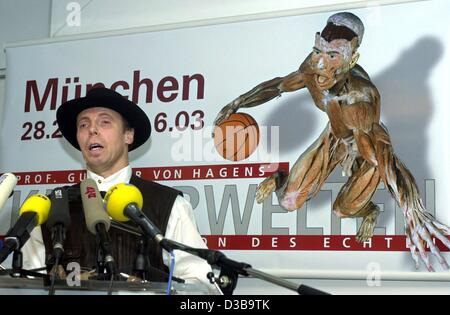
420, 225
307, 175
353, 200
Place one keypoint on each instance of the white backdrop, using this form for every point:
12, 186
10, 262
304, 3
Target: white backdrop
405, 50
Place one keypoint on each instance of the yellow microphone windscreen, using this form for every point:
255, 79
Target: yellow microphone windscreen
118, 197
39, 204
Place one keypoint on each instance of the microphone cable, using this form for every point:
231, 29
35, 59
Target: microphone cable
51, 290
38, 269
172, 267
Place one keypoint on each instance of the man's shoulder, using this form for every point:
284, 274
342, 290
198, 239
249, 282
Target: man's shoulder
158, 200
360, 80
360, 85
148, 185
359, 72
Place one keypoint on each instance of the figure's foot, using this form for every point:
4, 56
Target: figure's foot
367, 227
266, 188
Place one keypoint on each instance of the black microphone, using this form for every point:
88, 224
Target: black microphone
97, 220
124, 202
33, 212
58, 221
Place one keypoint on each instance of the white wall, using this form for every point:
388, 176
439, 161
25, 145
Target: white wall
106, 15
21, 20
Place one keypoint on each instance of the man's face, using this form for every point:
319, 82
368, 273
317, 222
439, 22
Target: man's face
330, 61
103, 140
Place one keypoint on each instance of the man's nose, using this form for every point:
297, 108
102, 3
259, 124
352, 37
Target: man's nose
93, 130
321, 63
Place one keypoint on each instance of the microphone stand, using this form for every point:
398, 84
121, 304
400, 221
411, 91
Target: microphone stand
17, 270
14, 244
104, 258
231, 269
141, 262
17, 263
58, 238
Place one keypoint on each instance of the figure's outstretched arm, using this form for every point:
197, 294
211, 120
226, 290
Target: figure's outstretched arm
262, 93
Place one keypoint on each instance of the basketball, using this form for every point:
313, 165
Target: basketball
237, 137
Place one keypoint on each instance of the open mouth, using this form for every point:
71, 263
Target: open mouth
321, 80
324, 82
95, 147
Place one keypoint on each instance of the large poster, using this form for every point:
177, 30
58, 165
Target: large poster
182, 78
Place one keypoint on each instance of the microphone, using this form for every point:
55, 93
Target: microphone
58, 221
34, 212
124, 202
7, 183
97, 220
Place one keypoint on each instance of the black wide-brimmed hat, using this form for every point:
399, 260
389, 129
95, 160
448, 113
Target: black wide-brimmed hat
67, 113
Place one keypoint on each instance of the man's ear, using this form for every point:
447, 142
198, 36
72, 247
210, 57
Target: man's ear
129, 136
355, 58
355, 43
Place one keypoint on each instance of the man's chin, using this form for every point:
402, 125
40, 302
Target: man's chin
94, 164
93, 155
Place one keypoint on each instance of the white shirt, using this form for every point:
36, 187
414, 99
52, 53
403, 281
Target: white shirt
181, 227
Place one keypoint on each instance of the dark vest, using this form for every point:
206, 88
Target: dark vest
81, 246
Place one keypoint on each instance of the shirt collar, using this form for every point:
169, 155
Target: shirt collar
103, 184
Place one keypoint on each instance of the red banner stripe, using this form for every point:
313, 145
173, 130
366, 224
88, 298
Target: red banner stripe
379, 243
393, 243
161, 173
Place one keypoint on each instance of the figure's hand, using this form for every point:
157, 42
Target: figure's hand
229, 109
421, 227
266, 188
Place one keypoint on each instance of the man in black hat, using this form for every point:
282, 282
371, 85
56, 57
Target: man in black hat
105, 126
